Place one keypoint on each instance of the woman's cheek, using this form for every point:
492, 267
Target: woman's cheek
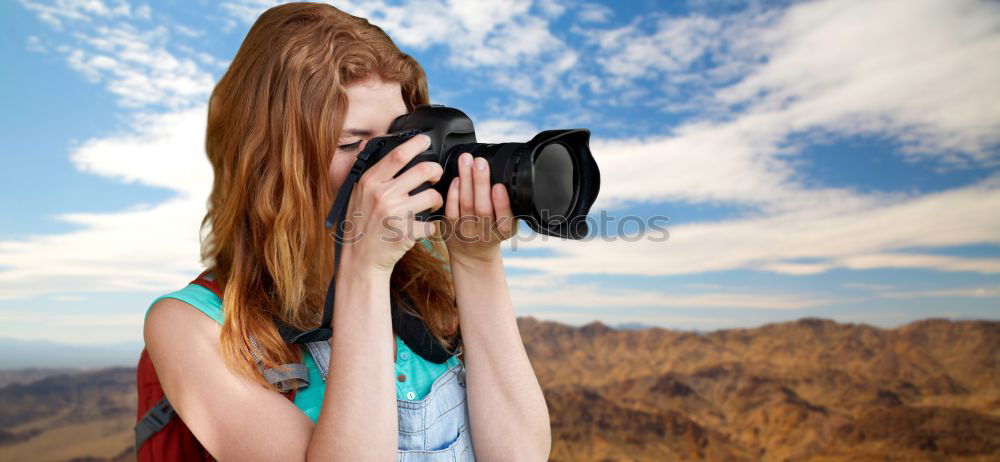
336, 172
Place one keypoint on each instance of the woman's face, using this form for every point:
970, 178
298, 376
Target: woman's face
373, 105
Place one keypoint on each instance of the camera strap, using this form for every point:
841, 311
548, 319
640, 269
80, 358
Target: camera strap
411, 329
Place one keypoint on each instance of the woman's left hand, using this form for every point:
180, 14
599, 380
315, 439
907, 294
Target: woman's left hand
478, 217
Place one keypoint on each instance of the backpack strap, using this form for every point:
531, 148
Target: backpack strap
158, 416
153, 421
285, 377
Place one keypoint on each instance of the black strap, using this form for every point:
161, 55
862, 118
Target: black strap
414, 332
153, 421
411, 329
335, 219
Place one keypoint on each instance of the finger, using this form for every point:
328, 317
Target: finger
481, 188
482, 203
426, 199
501, 205
451, 202
387, 167
416, 176
423, 229
465, 198
450, 210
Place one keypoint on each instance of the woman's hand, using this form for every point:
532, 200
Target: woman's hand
505, 400
478, 217
380, 226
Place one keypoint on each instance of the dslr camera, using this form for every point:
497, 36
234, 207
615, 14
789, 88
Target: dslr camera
552, 179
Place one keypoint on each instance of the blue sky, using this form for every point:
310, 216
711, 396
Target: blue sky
828, 158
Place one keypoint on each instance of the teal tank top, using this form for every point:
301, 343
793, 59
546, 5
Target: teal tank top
418, 372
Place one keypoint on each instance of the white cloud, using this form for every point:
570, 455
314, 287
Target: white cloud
67, 298
247, 11
516, 107
143, 12
674, 46
504, 131
146, 248
75, 320
970, 292
829, 68
76, 10
882, 83
827, 234
593, 12
35, 45
479, 36
919, 70
866, 286
79, 329
530, 292
160, 149
136, 66
672, 62
188, 31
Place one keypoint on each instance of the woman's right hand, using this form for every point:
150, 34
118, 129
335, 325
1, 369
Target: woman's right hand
380, 226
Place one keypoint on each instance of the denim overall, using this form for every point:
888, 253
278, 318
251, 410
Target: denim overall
432, 429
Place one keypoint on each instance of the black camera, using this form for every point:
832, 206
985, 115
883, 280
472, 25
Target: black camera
552, 179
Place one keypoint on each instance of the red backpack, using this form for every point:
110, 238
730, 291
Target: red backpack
160, 434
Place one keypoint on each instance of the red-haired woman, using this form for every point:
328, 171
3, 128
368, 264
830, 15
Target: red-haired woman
308, 86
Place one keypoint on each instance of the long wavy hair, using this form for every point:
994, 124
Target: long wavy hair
273, 124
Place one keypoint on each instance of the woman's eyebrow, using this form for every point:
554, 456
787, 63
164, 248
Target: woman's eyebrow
357, 132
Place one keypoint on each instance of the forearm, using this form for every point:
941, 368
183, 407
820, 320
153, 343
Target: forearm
359, 418
510, 420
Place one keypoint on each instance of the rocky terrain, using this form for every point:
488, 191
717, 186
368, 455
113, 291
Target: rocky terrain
83, 416
807, 390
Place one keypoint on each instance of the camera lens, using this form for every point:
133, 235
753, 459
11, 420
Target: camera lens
555, 183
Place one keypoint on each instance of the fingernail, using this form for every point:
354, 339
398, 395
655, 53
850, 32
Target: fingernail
427, 140
454, 182
465, 159
480, 163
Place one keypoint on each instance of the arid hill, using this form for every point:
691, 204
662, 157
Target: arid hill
84, 416
808, 390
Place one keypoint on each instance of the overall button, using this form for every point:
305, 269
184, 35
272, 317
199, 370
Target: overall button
401, 377
410, 395
404, 356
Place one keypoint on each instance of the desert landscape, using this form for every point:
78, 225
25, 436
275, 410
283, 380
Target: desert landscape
806, 390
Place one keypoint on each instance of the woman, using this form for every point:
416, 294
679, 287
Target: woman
309, 85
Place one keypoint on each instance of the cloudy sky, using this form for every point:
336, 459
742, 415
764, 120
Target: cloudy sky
830, 158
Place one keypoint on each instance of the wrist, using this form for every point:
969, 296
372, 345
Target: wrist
358, 267
458, 260
360, 286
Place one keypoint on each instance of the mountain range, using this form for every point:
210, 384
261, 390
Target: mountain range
806, 390
812, 389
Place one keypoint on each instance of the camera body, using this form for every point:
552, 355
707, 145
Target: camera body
447, 128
